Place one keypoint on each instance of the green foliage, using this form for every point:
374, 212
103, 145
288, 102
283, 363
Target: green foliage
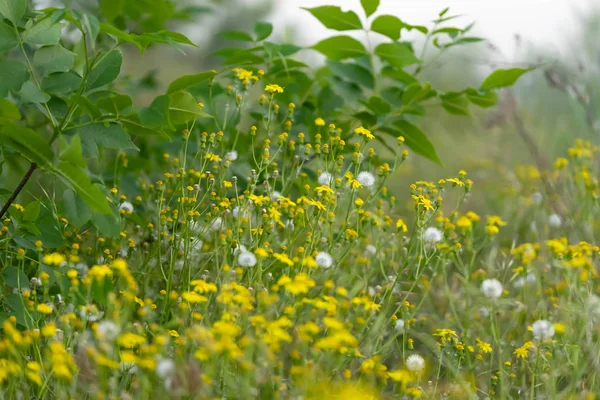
65, 106
333, 17
503, 78
13, 10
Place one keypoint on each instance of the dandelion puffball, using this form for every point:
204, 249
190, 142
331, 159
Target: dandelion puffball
247, 259
126, 206
542, 329
366, 179
325, 178
555, 221
433, 235
232, 155
491, 288
165, 368
324, 260
415, 363
399, 326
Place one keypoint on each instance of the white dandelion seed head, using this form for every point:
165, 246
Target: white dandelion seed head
217, 224
91, 314
491, 288
594, 306
127, 206
129, 368
366, 178
484, 312
197, 246
537, 198
325, 178
324, 259
239, 213
165, 368
239, 249
290, 224
232, 155
108, 330
399, 326
433, 235
275, 195
555, 221
247, 259
415, 363
371, 249
542, 329
528, 280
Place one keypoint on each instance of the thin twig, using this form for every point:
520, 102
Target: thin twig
18, 189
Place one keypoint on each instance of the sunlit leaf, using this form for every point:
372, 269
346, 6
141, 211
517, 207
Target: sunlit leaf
333, 17
503, 78
340, 48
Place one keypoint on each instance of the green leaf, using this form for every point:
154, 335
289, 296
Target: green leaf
13, 10
15, 278
73, 152
397, 54
455, 103
398, 75
188, 81
112, 9
31, 211
503, 78
163, 36
53, 59
107, 224
176, 37
123, 37
15, 302
378, 105
99, 135
370, 6
13, 75
482, 99
79, 180
105, 71
87, 106
75, 209
157, 114
236, 36
30, 93
28, 142
9, 110
417, 92
340, 47
414, 138
263, 30
388, 25
61, 82
46, 31
353, 72
244, 58
134, 126
334, 18
183, 108
113, 103
8, 39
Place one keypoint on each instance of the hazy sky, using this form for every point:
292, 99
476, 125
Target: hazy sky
545, 22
